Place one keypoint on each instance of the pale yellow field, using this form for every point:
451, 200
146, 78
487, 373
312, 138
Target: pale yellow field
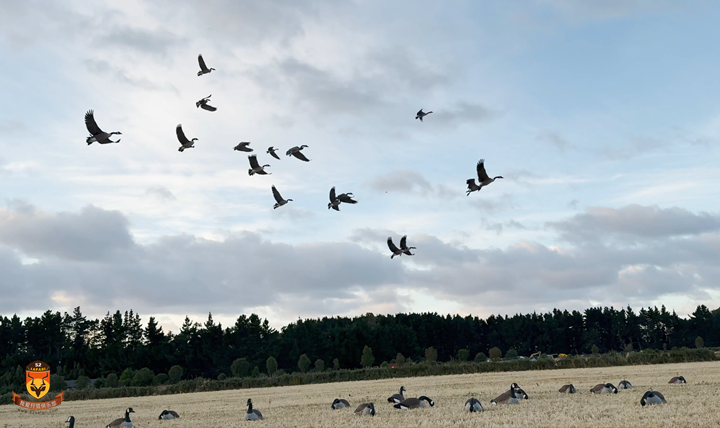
692, 405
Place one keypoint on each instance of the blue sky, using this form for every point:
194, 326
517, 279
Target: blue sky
602, 116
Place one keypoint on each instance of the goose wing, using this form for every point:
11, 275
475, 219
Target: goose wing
201, 61
254, 162
116, 423
90, 123
174, 413
391, 245
271, 150
208, 107
660, 396
300, 156
403, 242
482, 175
419, 113
181, 136
345, 198
276, 195
333, 198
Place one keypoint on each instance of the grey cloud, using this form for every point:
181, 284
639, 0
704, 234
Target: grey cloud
463, 112
555, 139
123, 76
638, 145
499, 227
158, 42
160, 192
410, 182
9, 125
494, 204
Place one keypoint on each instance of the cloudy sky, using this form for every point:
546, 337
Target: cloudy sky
602, 116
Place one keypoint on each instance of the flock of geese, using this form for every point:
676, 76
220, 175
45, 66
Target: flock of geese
99, 136
400, 401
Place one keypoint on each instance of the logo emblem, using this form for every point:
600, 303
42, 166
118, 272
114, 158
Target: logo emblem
37, 379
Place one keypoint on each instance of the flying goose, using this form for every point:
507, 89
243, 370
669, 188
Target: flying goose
203, 67
204, 104
339, 403
122, 422
278, 198
507, 397
271, 151
606, 388
365, 409
295, 151
624, 384
347, 198
243, 147
420, 114
483, 178
168, 414
404, 249
70, 421
652, 397
334, 201
403, 246
567, 389
396, 398
97, 135
473, 405
255, 167
414, 403
252, 414
186, 144
678, 379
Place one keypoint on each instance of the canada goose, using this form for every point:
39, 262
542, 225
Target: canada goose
70, 421
397, 398
483, 178
168, 414
420, 114
271, 151
252, 414
347, 198
507, 397
334, 201
122, 422
473, 405
414, 403
404, 249
652, 397
568, 389
365, 409
204, 104
624, 384
186, 144
678, 379
97, 135
243, 147
203, 67
295, 151
339, 403
403, 246
255, 167
278, 198
606, 388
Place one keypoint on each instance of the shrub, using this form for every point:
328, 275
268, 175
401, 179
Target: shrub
463, 354
111, 381
57, 383
319, 365
126, 377
175, 373
595, 350
161, 379
240, 367
511, 353
336, 364
400, 359
222, 376
143, 377
82, 382
430, 355
304, 363
367, 358
271, 365
480, 357
255, 372
495, 353
699, 342
384, 364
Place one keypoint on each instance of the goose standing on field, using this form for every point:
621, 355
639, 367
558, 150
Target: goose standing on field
243, 147
414, 403
607, 388
397, 398
203, 67
567, 389
483, 178
295, 151
252, 414
203, 103
70, 421
420, 114
334, 201
678, 379
255, 167
365, 409
279, 199
97, 134
624, 384
168, 414
340, 403
122, 422
186, 144
473, 405
271, 151
507, 397
652, 397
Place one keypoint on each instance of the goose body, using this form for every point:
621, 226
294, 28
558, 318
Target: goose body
483, 178
347, 198
399, 397
624, 384
420, 114
473, 405
97, 135
604, 388
122, 422
243, 147
70, 421
203, 68
567, 389
296, 151
414, 403
652, 398
507, 397
168, 414
365, 409
203, 103
678, 379
271, 151
404, 249
279, 199
184, 142
252, 414
255, 167
339, 403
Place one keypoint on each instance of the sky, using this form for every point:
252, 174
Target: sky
602, 117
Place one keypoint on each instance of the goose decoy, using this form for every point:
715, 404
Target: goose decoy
203, 103
473, 405
483, 178
185, 143
507, 397
414, 403
97, 135
420, 114
678, 379
255, 167
347, 198
295, 151
70, 421
334, 201
339, 403
203, 67
624, 384
365, 409
403, 246
122, 422
396, 398
651, 398
604, 388
168, 414
271, 151
252, 414
278, 198
567, 389
243, 147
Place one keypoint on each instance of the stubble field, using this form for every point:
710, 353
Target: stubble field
693, 404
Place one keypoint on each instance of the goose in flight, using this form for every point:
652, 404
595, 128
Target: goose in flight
278, 198
203, 67
255, 167
483, 178
243, 147
186, 144
404, 249
347, 198
421, 114
334, 201
271, 151
97, 134
203, 103
295, 151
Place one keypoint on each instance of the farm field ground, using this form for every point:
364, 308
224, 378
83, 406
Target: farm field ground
694, 404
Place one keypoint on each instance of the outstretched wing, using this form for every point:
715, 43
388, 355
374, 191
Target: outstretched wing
254, 162
419, 113
332, 194
276, 195
90, 123
403, 242
345, 198
471, 183
301, 156
181, 136
391, 245
201, 61
273, 154
207, 107
482, 175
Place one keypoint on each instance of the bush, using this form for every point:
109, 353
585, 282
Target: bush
160, 379
595, 350
111, 381
384, 364
367, 358
222, 376
336, 364
82, 382
480, 357
319, 365
240, 367
57, 383
400, 359
430, 355
629, 347
271, 365
175, 373
99, 383
495, 353
699, 342
126, 377
255, 372
511, 353
463, 354
143, 377
304, 363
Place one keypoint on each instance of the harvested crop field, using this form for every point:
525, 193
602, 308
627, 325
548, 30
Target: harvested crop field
692, 404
